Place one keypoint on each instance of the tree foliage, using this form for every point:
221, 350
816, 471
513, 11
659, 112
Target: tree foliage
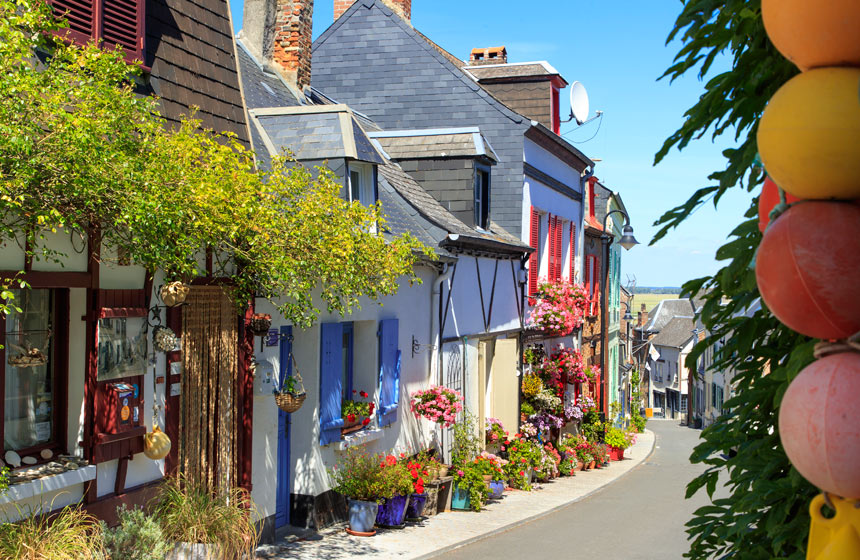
765, 514
81, 150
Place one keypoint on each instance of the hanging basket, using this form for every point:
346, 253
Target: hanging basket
174, 293
31, 358
260, 323
288, 401
163, 339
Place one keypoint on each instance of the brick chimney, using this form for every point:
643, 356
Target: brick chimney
279, 34
489, 55
402, 8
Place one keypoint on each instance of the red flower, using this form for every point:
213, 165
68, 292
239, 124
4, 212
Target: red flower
350, 417
365, 422
363, 394
391, 460
372, 406
513, 449
522, 473
354, 391
414, 473
402, 455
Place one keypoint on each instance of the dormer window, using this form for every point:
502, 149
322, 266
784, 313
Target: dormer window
116, 22
362, 183
482, 197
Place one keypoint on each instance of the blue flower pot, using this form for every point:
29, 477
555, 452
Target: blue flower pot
415, 509
362, 515
392, 512
460, 498
497, 488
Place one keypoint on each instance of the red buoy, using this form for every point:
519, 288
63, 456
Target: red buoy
819, 424
808, 269
769, 198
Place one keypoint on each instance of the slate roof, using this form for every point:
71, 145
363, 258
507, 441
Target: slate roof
512, 70
380, 66
314, 133
263, 87
190, 50
676, 333
435, 143
668, 309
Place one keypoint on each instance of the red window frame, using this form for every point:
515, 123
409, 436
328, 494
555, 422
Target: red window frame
60, 359
116, 22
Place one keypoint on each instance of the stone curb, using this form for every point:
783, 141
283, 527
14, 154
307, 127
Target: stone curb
518, 523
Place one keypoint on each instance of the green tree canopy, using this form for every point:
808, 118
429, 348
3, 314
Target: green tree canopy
765, 515
80, 150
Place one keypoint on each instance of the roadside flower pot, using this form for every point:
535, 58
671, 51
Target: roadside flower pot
592, 464
460, 498
497, 488
415, 509
192, 551
392, 512
616, 453
362, 516
580, 466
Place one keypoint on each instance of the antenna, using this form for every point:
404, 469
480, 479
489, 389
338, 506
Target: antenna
578, 102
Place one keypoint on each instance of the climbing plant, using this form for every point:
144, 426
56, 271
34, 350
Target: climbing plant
765, 513
81, 150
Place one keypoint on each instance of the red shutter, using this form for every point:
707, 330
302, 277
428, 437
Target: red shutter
595, 274
116, 22
591, 197
534, 258
550, 246
559, 251
572, 251
120, 23
79, 14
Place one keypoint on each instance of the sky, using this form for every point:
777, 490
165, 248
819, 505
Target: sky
617, 50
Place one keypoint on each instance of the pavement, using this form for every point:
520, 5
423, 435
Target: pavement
640, 516
441, 534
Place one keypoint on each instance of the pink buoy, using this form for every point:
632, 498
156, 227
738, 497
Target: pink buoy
819, 424
808, 266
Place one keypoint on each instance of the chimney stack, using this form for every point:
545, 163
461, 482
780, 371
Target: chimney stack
279, 34
402, 8
489, 55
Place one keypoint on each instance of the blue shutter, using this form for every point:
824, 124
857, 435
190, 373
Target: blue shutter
389, 371
282, 497
331, 340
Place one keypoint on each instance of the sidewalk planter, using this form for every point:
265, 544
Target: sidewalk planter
362, 516
192, 551
392, 512
460, 498
616, 453
415, 509
497, 488
446, 489
431, 505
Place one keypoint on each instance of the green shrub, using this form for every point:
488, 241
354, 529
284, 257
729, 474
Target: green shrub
639, 423
72, 534
137, 537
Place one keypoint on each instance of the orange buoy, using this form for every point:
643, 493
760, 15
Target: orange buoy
814, 34
809, 134
769, 198
807, 268
819, 424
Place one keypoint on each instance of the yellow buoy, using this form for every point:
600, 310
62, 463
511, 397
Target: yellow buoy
837, 538
814, 34
156, 444
809, 134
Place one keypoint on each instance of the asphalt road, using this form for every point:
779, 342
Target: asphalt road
639, 516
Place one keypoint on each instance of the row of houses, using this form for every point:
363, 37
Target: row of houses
464, 155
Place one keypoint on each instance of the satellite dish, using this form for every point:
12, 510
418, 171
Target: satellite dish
578, 102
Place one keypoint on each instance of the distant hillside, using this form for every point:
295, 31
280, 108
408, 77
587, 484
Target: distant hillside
656, 290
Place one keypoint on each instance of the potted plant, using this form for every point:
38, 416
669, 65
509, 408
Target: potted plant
470, 489
358, 477
617, 442
494, 433
396, 482
356, 414
523, 456
137, 537
437, 404
203, 523
494, 474
418, 472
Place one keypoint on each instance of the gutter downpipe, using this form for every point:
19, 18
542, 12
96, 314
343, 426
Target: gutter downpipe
436, 322
583, 180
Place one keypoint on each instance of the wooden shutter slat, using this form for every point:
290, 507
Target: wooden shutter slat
534, 258
572, 251
331, 362
559, 252
78, 14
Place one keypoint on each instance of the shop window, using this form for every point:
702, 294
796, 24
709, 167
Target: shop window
35, 349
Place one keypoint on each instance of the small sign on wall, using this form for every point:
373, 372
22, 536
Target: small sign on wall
272, 338
175, 389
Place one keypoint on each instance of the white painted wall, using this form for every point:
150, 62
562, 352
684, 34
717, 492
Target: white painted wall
309, 461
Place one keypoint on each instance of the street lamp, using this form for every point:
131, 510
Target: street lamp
627, 316
628, 242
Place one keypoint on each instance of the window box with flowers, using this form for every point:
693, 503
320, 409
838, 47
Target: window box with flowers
356, 414
559, 307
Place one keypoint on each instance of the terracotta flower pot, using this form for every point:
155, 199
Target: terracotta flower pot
591, 465
580, 465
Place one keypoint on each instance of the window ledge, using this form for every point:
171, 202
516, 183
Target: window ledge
50, 483
360, 438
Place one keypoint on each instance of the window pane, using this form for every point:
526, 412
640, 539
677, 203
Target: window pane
29, 371
355, 185
346, 362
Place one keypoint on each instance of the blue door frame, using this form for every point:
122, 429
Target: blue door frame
282, 500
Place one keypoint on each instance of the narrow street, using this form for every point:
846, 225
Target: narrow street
640, 516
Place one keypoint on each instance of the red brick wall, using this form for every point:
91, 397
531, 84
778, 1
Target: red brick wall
292, 51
